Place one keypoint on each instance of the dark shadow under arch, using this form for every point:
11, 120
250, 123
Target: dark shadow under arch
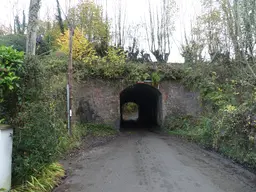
149, 100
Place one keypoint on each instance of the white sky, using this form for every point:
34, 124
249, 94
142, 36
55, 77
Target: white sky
135, 11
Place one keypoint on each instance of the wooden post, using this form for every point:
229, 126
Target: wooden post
70, 72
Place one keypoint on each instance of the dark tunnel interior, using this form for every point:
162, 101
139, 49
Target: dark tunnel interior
149, 101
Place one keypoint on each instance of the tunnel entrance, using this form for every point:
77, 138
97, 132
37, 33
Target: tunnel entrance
148, 100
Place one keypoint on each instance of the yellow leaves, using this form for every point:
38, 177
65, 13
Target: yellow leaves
111, 65
214, 73
82, 48
230, 108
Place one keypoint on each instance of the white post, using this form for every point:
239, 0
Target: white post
5, 157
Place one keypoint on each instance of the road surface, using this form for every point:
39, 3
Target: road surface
146, 162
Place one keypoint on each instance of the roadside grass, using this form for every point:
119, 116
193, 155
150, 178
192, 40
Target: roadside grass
202, 132
50, 175
99, 130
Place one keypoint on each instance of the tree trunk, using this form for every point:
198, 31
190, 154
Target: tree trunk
32, 27
232, 25
161, 23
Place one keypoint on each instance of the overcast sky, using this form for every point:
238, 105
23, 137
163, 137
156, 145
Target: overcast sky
135, 11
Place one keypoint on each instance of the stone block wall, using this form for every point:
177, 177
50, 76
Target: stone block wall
97, 100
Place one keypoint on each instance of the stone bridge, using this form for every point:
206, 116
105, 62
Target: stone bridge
101, 101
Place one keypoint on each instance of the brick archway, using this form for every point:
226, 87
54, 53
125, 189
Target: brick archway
149, 100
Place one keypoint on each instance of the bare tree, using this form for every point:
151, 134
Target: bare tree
32, 27
4, 30
20, 26
229, 34
159, 29
119, 35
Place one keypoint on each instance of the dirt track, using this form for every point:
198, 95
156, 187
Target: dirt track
146, 162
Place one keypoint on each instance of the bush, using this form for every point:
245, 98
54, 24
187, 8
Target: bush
112, 65
227, 123
10, 68
10, 65
40, 124
40, 134
18, 42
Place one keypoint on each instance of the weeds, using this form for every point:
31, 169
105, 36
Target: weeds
50, 175
227, 123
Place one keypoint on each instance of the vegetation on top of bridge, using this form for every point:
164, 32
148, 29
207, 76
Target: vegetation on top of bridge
119, 69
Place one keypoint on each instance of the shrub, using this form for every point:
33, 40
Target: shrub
112, 65
134, 72
10, 68
10, 65
18, 42
227, 123
40, 134
39, 125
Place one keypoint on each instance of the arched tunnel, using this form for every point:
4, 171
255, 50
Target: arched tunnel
149, 101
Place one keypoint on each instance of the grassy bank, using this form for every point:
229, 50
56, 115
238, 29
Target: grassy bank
204, 131
39, 119
49, 175
227, 122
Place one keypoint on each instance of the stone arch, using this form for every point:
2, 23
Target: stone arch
149, 100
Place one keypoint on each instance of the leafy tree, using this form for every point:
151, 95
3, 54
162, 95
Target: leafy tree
48, 33
228, 33
83, 50
89, 18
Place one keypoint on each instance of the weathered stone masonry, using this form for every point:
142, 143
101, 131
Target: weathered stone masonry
98, 100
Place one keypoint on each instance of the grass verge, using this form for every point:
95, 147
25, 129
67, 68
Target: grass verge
45, 181
50, 174
203, 131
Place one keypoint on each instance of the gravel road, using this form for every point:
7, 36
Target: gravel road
147, 162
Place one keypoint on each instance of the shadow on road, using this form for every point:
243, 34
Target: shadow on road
137, 126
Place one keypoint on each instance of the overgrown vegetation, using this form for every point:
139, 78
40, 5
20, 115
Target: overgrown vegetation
10, 68
220, 63
32, 90
227, 123
49, 177
35, 104
130, 107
